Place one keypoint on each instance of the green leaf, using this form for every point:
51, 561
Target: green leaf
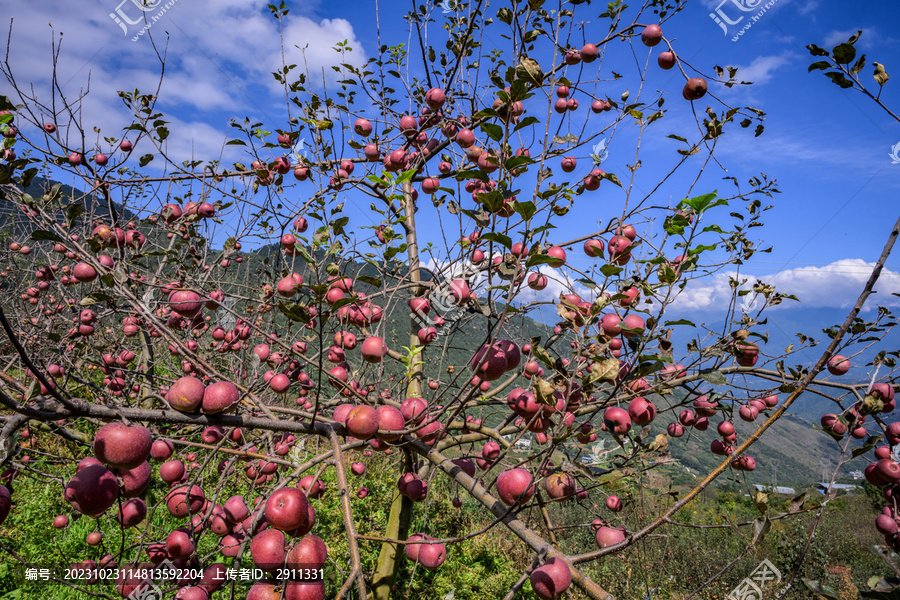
145, 160
498, 238
5, 104
338, 225
378, 180
675, 224
647, 368
820, 65
604, 370
542, 355
816, 51
95, 298
610, 270
461, 175
821, 589
679, 322
505, 15
407, 175
296, 312
612, 178
860, 64
713, 377
374, 282
73, 211
839, 79
702, 203
342, 303
517, 161
492, 201
870, 443
27, 176
538, 259
526, 209
495, 132
54, 193
41, 235
843, 53
530, 71
530, 120
700, 249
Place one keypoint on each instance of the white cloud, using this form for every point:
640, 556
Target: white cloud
219, 59
836, 285
808, 7
557, 282
761, 69
556, 285
866, 41
811, 149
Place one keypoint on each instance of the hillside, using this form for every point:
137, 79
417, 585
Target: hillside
792, 450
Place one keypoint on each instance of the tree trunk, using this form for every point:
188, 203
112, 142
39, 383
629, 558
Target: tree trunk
389, 558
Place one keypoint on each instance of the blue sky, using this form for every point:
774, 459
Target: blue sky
827, 147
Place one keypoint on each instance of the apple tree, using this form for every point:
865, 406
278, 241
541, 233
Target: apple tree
204, 360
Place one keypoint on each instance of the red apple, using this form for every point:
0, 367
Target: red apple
666, 60
551, 580
651, 35
267, 549
609, 536
186, 394
514, 486
122, 446
219, 397
94, 490
694, 89
287, 509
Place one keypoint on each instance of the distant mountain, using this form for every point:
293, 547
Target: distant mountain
783, 325
792, 449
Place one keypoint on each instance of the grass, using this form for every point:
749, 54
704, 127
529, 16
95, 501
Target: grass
674, 563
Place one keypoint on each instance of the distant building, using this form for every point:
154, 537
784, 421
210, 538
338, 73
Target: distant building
856, 474
775, 489
587, 460
837, 487
522, 445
